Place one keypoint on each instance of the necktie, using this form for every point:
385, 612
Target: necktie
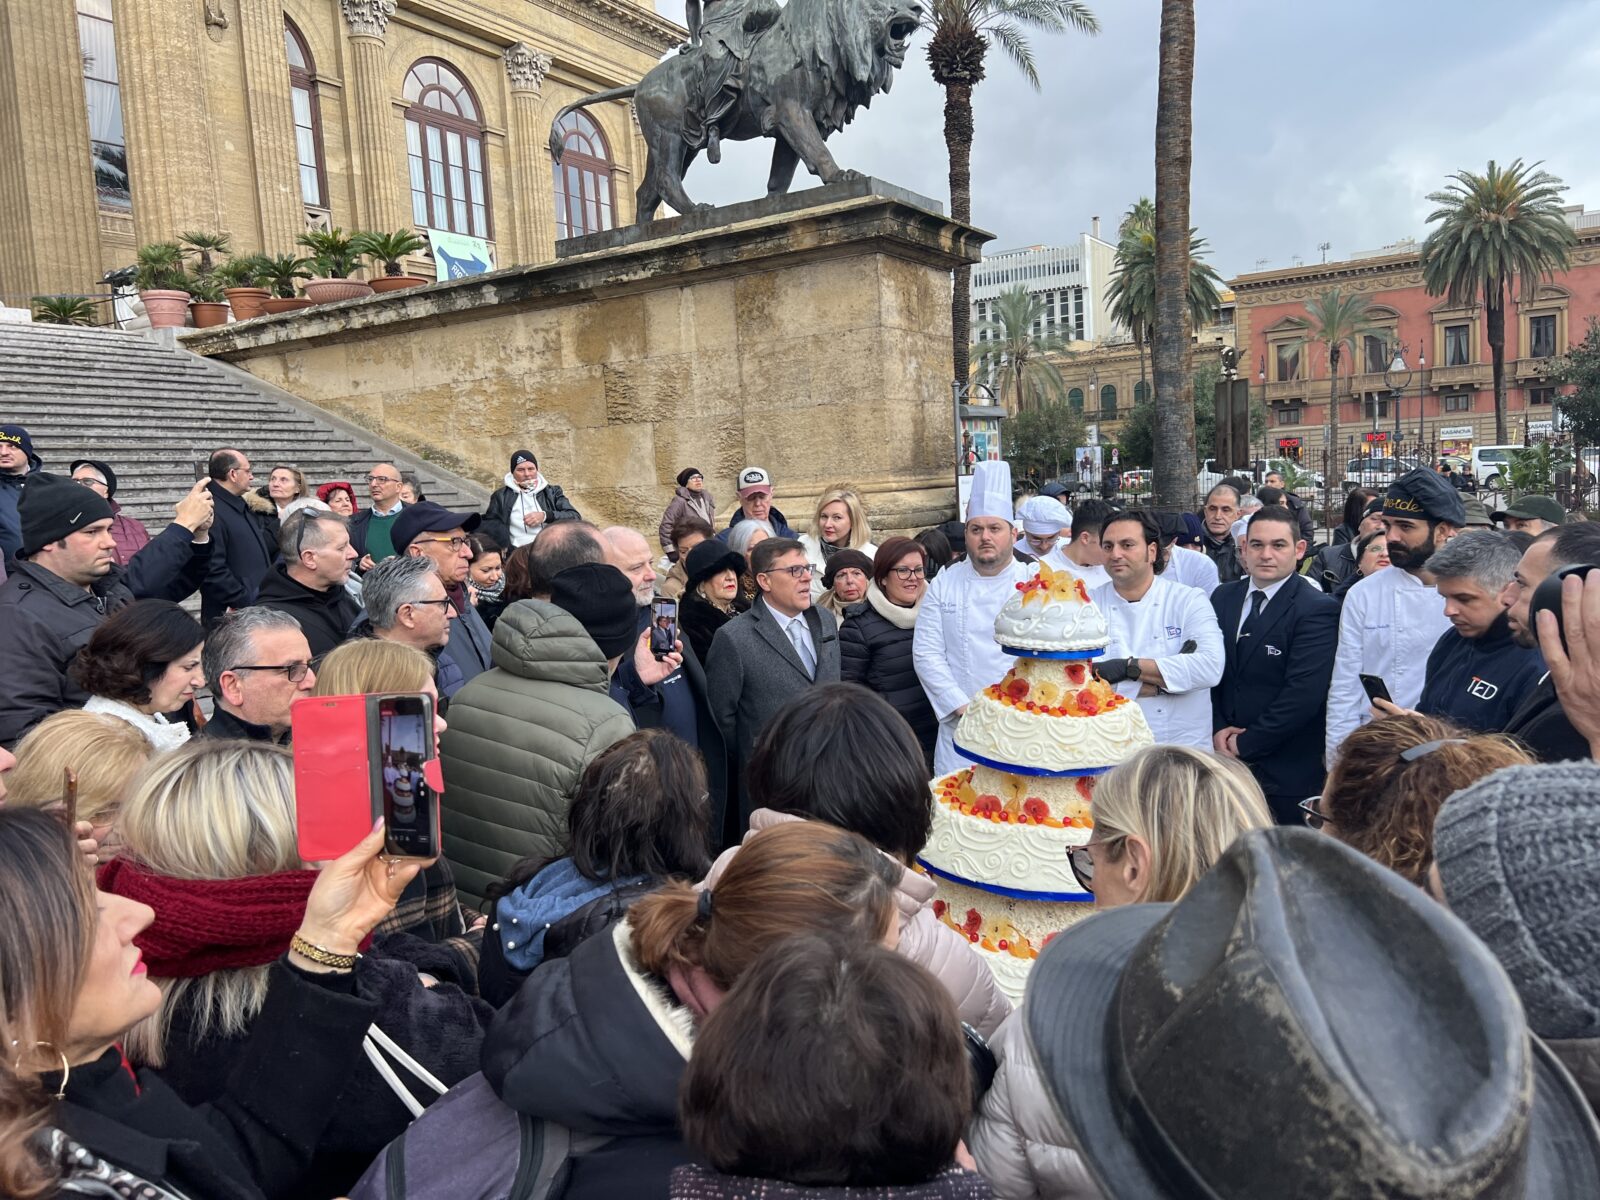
1257, 599
802, 648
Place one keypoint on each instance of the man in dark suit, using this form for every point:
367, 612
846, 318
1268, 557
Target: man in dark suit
765, 657
1280, 632
244, 541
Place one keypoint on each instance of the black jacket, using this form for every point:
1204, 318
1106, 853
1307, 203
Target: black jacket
1332, 565
1542, 726
1479, 682
441, 1027
46, 621
552, 502
325, 617
245, 537
699, 620
10, 520
272, 1103
1275, 683
227, 726
1225, 553
876, 653
579, 1044
1302, 514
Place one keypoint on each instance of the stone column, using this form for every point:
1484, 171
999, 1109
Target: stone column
48, 214
160, 53
532, 201
271, 113
378, 161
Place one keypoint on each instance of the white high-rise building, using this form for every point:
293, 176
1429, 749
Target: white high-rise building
1071, 280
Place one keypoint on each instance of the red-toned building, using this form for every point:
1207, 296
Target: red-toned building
1445, 392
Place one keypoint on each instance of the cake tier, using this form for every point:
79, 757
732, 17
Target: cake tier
1051, 612
1007, 933
1053, 717
1009, 831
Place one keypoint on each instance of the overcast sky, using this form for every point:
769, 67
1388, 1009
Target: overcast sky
1312, 122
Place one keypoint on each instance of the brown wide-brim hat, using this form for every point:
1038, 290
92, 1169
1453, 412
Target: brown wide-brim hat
1301, 1017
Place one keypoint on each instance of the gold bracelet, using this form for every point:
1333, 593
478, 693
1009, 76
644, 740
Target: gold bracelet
326, 958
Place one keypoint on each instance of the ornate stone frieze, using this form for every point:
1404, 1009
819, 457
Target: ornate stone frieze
526, 67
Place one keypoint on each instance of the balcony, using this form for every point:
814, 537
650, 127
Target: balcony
1471, 375
1288, 389
1532, 368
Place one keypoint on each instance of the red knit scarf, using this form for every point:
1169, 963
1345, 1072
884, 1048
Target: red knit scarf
206, 925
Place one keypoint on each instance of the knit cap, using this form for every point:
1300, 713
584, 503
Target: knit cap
1516, 853
840, 560
52, 506
602, 599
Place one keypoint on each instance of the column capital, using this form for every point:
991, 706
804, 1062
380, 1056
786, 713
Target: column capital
367, 18
526, 67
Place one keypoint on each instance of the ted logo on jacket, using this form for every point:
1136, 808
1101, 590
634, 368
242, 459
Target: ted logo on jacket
1482, 688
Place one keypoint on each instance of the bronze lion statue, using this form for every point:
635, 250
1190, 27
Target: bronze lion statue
796, 74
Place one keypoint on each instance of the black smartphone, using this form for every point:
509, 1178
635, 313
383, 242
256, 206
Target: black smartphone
410, 806
1548, 595
663, 626
202, 469
1376, 688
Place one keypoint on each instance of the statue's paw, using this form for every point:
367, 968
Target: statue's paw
848, 176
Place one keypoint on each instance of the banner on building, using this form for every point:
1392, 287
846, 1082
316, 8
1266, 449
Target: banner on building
456, 255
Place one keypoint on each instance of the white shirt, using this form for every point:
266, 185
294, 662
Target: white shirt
1092, 577
1390, 622
1156, 627
1271, 590
1193, 568
953, 644
160, 732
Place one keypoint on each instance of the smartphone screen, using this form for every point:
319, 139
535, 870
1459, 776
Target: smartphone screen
663, 626
410, 807
1375, 687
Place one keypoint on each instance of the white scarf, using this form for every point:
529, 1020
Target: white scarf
160, 732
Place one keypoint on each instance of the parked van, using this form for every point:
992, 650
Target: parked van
1489, 465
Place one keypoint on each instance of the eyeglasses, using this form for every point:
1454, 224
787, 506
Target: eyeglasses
382, 479
1081, 860
455, 543
1315, 817
792, 572
447, 602
908, 573
295, 671
90, 481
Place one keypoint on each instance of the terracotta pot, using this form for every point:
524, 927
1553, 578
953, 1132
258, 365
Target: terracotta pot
246, 302
283, 304
166, 308
207, 314
328, 291
393, 283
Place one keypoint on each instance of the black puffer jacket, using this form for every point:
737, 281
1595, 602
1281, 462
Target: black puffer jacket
875, 651
1332, 565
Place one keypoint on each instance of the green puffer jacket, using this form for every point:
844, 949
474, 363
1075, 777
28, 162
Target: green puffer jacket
520, 736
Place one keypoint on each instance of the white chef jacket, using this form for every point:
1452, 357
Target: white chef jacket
1193, 568
1389, 625
1169, 615
953, 645
1092, 577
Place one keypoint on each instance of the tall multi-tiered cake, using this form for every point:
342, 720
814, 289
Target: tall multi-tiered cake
1038, 739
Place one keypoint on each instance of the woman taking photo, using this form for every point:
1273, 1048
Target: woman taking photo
875, 637
141, 664
103, 753
839, 522
77, 1119
714, 571
1161, 819
692, 502
209, 844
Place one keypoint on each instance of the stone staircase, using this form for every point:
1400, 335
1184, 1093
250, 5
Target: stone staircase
153, 411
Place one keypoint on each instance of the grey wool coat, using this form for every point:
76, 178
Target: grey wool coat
753, 670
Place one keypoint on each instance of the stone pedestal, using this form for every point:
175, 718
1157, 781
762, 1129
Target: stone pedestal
810, 336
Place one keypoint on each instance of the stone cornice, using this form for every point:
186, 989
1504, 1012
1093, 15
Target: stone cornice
642, 28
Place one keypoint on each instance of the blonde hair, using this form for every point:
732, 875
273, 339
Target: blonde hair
1187, 806
105, 752
302, 489
210, 810
860, 527
371, 666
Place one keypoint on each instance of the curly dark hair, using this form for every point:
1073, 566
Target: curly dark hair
133, 647
1380, 804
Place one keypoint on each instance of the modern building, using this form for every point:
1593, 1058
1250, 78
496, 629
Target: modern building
1071, 280
1427, 375
134, 121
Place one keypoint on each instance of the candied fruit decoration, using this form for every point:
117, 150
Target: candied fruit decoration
1077, 672
938, 908
1017, 688
1035, 808
973, 923
1088, 703
986, 806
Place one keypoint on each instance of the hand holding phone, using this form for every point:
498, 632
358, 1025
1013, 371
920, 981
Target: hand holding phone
663, 627
1375, 688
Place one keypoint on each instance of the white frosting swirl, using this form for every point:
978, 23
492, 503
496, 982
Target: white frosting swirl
1023, 858
1031, 622
1008, 734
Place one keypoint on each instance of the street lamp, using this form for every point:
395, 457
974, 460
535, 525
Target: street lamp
1397, 378
957, 395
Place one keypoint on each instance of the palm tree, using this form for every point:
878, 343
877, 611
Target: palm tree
1013, 358
1174, 433
1140, 215
1131, 295
1340, 323
962, 31
1497, 230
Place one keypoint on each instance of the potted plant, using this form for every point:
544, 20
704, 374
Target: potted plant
333, 257
63, 310
242, 279
280, 274
203, 246
389, 249
207, 303
163, 286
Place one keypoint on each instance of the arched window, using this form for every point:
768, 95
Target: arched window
307, 118
1075, 399
97, 43
444, 143
1141, 392
1108, 398
583, 178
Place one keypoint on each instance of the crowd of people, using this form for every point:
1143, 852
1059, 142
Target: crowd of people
677, 942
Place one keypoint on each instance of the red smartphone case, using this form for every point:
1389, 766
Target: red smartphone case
332, 775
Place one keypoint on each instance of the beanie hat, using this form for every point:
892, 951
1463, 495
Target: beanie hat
1516, 854
523, 456
52, 506
105, 470
602, 599
688, 473
839, 560
18, 436
891, 552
